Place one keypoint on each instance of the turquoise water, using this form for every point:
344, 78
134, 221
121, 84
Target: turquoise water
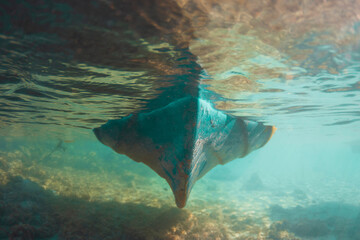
67, 67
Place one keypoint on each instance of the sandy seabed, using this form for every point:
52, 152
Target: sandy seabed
63, 196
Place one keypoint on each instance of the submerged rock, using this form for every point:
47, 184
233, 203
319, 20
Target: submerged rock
309, 228
299, 194
254, 183
183, 140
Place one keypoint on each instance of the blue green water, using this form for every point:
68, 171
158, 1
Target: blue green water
67, 67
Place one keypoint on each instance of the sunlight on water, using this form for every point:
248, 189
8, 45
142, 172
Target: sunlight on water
67, 67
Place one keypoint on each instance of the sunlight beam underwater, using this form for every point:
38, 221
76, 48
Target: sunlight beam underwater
182, 141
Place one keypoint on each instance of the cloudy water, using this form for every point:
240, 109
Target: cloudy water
67, 67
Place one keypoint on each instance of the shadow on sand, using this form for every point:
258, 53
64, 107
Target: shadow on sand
27, 211
328, 220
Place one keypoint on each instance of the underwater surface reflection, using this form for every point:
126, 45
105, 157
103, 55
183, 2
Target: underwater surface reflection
68, 66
